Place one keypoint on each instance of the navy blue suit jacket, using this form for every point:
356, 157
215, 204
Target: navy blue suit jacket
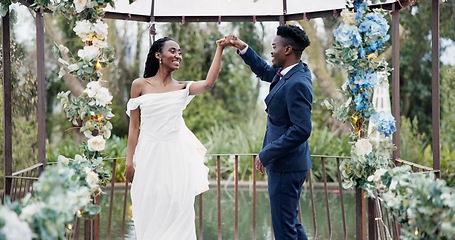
285, 147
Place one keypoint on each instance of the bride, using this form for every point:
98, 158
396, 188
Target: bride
165, 161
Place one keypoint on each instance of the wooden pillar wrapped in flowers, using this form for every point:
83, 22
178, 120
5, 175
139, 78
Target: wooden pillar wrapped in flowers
359, 39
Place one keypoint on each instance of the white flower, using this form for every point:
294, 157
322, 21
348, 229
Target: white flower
101, 29
80, 5
83, 29
63, 160
96, 143
30, 210
88, 53
378, 174
448, 199
79, 159
348, 17
393, 184
99, 43
93, 88
92, 178
103, 97
14, 228
363, 147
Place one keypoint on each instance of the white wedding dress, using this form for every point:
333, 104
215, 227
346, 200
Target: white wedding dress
169, 168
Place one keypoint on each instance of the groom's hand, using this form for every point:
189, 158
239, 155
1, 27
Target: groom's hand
236, 42
259, 165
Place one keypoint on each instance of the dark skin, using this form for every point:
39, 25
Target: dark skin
283, 56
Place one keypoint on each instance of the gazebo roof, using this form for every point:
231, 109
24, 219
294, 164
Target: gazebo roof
229, 10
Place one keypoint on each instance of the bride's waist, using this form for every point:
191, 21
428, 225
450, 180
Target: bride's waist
168, 136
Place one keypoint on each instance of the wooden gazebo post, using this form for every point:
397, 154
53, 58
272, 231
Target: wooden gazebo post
7, 123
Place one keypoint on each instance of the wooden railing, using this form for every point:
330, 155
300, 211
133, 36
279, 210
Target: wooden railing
234, 173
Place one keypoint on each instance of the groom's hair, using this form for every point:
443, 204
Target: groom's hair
152, 64
295, 37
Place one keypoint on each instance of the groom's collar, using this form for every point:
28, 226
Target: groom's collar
286, 70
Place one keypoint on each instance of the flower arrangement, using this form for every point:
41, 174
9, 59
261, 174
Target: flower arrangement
424, 205
66, 189
46, 215
359, 39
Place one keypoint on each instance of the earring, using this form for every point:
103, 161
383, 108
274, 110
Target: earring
161, 61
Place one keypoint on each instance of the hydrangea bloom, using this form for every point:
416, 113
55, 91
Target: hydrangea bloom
385, 122
348, 36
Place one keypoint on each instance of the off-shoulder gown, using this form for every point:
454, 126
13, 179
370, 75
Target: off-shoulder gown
169, 168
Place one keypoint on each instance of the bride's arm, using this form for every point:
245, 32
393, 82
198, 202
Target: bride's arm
207, 84
133, 133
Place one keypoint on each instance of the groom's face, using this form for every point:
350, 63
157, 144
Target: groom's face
278, 52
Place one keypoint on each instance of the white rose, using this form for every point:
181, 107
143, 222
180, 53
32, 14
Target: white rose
93, 88
99, 43
96, 143
92, 178
363, 147
103, 97
14, 228
88, 53
80, 5
101, 29
83, 29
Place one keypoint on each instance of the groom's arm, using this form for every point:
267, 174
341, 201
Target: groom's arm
260, 67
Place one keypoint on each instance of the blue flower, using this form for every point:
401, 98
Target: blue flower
361, 9
385, 122
347, 36
375, 45
361, 52
375, 26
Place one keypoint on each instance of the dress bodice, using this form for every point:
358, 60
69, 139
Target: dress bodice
161, 113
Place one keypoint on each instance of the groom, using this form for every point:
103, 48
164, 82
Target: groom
285, 153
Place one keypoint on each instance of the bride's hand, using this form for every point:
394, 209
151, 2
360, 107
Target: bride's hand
129, 173
223, 42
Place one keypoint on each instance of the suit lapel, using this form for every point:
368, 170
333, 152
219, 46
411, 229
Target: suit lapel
278, 84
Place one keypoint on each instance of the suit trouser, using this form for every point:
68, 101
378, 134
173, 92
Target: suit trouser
284, 193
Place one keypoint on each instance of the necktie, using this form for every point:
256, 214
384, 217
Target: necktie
279, 74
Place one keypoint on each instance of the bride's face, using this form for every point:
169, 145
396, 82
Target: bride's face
171, 55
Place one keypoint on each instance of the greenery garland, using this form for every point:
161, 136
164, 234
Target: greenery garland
424, 205
65, 190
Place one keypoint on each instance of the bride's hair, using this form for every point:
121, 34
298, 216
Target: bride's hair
152, 64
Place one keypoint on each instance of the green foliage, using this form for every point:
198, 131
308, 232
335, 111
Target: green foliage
415, 59
323, 141
23, 106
